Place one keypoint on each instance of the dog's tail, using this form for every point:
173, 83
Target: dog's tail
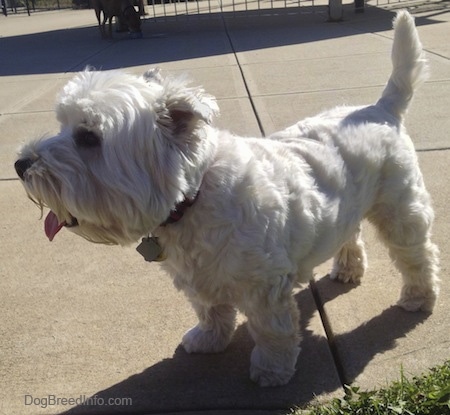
409, 66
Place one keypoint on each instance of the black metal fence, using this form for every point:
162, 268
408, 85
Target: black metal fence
178, 9
175, 9
27, 6
165, 8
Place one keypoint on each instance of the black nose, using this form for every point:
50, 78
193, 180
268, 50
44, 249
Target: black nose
22, 165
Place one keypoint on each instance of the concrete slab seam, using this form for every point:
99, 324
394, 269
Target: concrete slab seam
329, 334
247, 88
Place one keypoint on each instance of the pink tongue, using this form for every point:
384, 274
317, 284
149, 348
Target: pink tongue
52, 225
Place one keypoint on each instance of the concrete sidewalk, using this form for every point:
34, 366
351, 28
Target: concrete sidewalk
81, 321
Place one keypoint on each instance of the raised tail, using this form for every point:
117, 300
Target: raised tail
409, 66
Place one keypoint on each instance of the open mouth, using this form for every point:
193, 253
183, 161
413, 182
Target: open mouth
53, 225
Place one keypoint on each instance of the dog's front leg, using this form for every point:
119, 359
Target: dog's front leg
273, 323
213, 332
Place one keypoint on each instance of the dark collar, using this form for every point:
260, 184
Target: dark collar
180, 209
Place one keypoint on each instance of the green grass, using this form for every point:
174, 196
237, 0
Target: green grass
428, 394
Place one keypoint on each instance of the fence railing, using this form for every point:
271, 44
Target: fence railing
28, 6
177, 9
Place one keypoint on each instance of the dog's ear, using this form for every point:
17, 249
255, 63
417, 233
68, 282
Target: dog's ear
186, 112
186, 109
154, 75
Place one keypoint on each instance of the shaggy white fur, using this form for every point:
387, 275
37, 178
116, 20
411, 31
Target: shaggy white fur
266, 211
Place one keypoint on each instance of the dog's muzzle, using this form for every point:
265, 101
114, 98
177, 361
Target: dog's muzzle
52, 223
22, 165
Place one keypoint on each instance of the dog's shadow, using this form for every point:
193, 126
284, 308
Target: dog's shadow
221, 381
354, 349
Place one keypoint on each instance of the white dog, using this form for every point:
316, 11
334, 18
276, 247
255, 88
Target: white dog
241, 221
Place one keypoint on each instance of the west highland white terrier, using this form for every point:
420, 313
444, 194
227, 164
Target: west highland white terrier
240, 221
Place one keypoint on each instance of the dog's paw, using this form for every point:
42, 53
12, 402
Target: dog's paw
349, 269
350, 262
197, 340
266, 372
267, 378
415, 298
346, 274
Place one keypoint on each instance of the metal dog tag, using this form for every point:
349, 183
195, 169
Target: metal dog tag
150, 249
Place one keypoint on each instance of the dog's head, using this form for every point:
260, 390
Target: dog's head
129, 149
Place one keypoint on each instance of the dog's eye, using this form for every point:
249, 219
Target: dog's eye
85, 138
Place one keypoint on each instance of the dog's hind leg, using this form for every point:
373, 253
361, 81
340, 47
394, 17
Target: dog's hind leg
98, 8
110, 26
97, 13
405, 226
213, 332
273, 322
350, 262
419, 265
103, 25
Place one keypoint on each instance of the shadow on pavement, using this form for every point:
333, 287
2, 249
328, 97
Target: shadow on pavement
72, 49
375, 336
221, 381
212, 382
